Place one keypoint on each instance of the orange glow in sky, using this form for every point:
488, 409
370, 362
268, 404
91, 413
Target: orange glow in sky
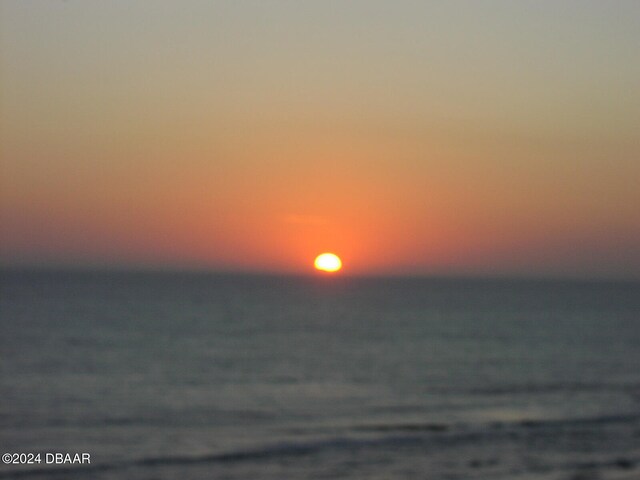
249, 136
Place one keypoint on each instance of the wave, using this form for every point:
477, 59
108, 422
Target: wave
267, 452
391, 435
632, 389
627, 419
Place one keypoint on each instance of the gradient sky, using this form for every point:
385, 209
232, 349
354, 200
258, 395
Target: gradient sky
450, 137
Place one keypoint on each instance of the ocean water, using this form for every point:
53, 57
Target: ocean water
195, 376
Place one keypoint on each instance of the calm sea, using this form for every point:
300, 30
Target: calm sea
194, 376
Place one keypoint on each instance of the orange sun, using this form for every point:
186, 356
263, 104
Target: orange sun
328, 262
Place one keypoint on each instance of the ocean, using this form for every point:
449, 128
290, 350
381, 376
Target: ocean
201, 376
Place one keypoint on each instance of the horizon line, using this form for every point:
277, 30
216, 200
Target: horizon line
230, 272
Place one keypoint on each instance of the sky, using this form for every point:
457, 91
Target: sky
409, 137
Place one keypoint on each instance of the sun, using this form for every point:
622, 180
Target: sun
328, 262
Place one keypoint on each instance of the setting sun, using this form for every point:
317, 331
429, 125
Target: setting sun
328, 262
